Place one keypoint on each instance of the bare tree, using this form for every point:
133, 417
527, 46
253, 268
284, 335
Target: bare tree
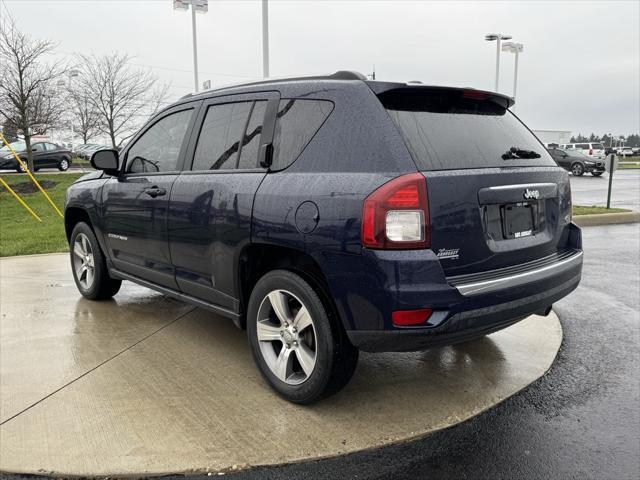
122, 95
85, 118
28, 97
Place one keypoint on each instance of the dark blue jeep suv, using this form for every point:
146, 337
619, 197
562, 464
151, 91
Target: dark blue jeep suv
328, 215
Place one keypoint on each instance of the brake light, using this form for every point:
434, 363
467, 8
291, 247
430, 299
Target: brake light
475, 94
407, 318
591, 151
396, 215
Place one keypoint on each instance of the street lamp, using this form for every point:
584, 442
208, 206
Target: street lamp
498, 37
516, 48
265, 38
197, 6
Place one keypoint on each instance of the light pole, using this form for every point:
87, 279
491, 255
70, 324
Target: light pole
498, 37
516, 48
197, 6
265, 38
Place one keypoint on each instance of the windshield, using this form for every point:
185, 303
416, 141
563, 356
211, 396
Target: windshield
445, 130
18, 146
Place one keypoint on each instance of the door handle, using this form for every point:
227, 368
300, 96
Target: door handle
154, 192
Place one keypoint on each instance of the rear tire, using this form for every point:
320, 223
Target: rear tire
89, 266
63, 166
303, 352
577, 169
20, 169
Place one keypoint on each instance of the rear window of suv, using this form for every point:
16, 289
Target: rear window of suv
597, 146
444, 130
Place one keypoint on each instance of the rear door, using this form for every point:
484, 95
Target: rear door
496, 197
135, 204
212, 201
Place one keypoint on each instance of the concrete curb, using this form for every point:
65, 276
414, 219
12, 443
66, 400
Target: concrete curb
606, 219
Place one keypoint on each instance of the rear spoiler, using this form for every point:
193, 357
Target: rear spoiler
388, 88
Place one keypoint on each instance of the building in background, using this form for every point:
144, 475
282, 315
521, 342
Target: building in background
557, 137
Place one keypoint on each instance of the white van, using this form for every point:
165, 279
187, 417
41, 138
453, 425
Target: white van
595, 150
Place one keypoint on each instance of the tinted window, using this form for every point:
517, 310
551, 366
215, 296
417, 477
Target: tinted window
219, 141
444, 130
597, 146
584, 146
296, 123
158, 149
37, 147
51, 146
251, 137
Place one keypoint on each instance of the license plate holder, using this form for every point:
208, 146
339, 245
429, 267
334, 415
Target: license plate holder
519, 219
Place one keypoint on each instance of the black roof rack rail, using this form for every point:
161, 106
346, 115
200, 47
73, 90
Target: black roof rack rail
339, 75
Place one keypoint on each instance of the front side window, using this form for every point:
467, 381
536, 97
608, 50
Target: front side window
158, 149
51, 146
297, 122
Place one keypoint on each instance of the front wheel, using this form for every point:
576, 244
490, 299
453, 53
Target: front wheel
299, 347
577, 169
63, 166
596, 174
89, 266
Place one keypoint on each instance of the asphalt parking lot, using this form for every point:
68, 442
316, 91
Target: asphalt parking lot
590, 190
581, 420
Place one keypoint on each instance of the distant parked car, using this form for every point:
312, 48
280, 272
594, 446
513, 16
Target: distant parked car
90, 150
593, 149
576, 162
625, 152
45, 154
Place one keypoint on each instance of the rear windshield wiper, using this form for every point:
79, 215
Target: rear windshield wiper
515, 153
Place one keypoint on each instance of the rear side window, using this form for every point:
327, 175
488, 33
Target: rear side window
445, 130
158, 149
297, 122
219, 140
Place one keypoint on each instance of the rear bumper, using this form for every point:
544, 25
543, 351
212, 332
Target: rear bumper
464, 307
462, 326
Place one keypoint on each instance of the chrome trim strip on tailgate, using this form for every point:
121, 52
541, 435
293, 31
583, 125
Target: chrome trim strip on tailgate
513, 280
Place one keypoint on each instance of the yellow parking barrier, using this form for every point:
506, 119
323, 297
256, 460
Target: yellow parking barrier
6, 185
26, 169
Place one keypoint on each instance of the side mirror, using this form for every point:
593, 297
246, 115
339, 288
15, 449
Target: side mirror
106, 160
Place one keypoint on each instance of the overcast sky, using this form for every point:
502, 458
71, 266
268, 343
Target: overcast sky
580, 69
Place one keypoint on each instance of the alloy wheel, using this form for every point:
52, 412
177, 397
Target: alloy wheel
83, 261
287, 337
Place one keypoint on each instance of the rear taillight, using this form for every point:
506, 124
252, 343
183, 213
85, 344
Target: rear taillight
408, 318
396, 215
591, 151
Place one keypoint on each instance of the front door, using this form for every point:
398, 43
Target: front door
212, 202
135, 204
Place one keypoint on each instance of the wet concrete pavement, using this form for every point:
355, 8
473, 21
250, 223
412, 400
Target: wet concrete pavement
581, 420
148, 385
